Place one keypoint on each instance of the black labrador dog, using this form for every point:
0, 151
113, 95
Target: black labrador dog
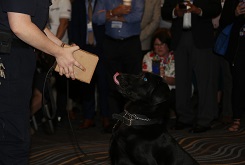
140, 136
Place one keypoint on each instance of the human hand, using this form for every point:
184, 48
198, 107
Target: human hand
240, 9
66, 61
192, 8
179, 12
121, 10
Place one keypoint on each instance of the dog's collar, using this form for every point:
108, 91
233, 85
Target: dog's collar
135, 119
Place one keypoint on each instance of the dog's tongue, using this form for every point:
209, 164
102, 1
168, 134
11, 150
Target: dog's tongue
115, 78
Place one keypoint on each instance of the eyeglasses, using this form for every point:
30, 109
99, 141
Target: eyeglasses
161, 44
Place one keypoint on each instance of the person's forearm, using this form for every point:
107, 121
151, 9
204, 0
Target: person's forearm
28, 32
62, 28
52, 37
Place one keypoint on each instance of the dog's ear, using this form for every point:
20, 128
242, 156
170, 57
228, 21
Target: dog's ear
160, 93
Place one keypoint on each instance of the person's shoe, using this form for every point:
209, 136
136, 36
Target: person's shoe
180, 126
87, 124
235, 126
199, 129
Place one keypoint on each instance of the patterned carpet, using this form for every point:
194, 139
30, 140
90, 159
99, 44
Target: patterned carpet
215, 147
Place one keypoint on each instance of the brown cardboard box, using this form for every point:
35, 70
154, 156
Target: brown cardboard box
87, 60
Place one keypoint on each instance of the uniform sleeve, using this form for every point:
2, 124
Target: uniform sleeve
65, 9
20, 6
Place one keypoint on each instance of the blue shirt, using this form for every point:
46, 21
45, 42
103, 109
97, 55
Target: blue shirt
129, 28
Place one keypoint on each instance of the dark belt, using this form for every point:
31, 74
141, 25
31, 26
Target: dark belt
122, 39
16, 42
186, 30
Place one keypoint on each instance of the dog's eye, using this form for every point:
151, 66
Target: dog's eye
145, 79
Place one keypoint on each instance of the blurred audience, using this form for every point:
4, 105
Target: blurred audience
150, 22
234, 12
89, 37
160, 60
192, 41
122, 46
224, 82
59, 16
165, 23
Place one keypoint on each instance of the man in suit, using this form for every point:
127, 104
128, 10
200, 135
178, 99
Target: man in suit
79, 28
192, 42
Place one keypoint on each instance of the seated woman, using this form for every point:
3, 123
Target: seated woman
160, 60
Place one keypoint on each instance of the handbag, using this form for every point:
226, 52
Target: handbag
222, 40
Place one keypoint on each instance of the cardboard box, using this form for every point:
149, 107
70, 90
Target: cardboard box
87, 60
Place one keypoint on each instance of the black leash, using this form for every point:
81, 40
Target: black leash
51, 97
54, 109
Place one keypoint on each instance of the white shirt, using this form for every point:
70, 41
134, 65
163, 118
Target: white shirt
59, 9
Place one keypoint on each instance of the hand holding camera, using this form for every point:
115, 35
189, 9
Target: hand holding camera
240, 9
180, 9
183, 6
186, 7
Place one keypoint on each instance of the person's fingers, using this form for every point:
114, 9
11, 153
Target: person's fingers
67, 75
71, 72
60, 71
66, 71
73, 44
74, 48
77, 64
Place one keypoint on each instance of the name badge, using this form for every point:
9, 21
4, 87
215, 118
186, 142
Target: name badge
89, 27
116, 24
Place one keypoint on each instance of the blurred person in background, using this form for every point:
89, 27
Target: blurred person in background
59, 17
150, 22
160, 60
234, 12
192, 42
122, 46
90, 36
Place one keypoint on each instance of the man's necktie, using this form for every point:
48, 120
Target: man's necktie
90, 32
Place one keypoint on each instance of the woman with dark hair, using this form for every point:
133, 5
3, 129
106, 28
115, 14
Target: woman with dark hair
160, 60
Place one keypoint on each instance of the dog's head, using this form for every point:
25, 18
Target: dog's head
146, 87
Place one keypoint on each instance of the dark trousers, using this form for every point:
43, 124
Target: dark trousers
86, 92
15, 94
201, 62
121, 56
226, 87
238, 92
